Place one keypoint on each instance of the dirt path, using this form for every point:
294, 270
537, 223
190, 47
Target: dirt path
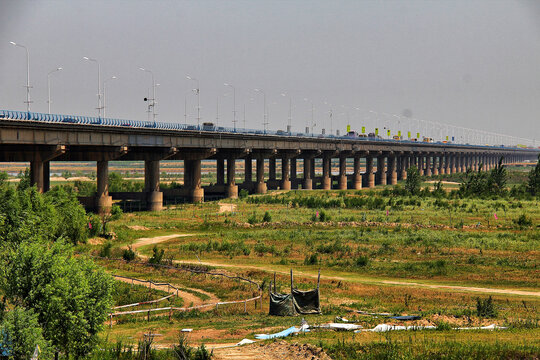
273, 351
156, 240
376, 281
188, 297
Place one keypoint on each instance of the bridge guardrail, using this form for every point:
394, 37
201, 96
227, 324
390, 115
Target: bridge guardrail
89, 120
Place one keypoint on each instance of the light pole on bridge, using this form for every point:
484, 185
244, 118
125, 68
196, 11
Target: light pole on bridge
197, 91
99, 107
152, 101
49, 86
265, 115
27, 74
234, 104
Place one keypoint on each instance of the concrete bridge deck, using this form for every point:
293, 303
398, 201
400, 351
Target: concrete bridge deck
385, 162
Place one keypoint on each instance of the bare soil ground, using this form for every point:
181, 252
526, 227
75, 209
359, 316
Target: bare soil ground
189, 298
156, 240
223, 208
273, 351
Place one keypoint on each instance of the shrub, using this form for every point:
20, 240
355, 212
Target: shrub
116, 212
157, 257
311, 259
243, 194
412, 184
362, 261
267, 217
106, 250
485, 308
128, 254
252, 219
523, 221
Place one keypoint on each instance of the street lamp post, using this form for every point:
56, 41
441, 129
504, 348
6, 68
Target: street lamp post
104, 97
49, 86
234, 104
289, 119
265, 115
197, 91
99, 107
152, 101
27, 74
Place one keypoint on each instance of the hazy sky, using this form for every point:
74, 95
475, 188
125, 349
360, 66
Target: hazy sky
466, 63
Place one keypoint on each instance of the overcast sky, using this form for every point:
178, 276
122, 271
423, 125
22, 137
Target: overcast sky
465, 63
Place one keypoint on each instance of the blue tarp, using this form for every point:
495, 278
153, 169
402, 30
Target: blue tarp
284, 333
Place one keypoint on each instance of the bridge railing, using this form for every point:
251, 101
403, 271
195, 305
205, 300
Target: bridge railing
90, 120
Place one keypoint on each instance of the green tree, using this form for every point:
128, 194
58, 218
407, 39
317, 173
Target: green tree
412, 184
497, 179
533, 185
20, 333
71, 296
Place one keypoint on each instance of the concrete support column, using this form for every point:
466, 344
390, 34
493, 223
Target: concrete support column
369, 172
420, 162
192, 179
342, 183
103, 202
36, 174
381, 173
392, 169
285, 172
326, 178
404, 166
357, 176
444, 165
435, 165
232, 188
261, 185
46, 176
308, 167
272, 169
248, 170
293, 169
220, 168
154, 197
428, 166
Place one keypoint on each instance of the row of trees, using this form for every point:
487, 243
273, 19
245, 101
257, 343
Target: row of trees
54, 300
480, 183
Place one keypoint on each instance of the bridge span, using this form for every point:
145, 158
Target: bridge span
374, 161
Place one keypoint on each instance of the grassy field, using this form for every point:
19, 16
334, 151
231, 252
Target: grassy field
377, 252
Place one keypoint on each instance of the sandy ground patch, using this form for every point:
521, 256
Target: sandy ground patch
442, 182
138, 227
227, 208
189, 298
156, 240
272, 351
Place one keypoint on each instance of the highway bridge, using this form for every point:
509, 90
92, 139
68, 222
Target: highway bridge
40, 138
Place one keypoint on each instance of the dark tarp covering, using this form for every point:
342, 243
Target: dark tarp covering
281, 305
305, 302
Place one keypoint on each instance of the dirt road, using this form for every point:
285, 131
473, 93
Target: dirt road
156, 240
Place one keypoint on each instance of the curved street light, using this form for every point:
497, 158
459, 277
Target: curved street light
104, 97
197, 91
49, 86
265, 115
234, 104
27, 74
99, 107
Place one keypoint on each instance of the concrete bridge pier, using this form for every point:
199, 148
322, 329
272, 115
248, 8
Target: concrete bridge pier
342, 183
37, 175
392, 169
435, 164
232, 188
428, 165
420, 162
103, 202
220, 171
285, 173
260, 187
381, 173
154, 197
308, 179
369, 172
248, 172
404, 166
326, 175
357, 176
292, 177
272, 182
192, 179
